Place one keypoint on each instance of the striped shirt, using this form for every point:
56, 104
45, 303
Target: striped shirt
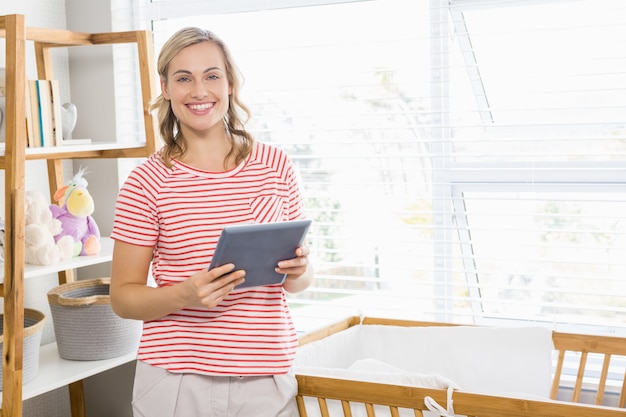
181, 212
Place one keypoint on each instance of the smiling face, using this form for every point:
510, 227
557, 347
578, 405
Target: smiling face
197, 87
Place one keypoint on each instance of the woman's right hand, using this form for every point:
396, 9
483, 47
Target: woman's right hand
208, 288
131, 298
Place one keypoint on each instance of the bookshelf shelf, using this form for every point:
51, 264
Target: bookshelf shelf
82, 151
105, 255
55, 372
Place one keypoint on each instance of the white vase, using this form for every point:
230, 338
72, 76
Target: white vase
69, 114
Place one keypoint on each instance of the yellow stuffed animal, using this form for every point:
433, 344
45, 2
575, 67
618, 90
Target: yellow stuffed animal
74, 211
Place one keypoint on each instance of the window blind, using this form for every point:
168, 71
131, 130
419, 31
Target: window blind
462, 161
129, 120
536, 167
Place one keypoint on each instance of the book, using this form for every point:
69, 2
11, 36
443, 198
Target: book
57, 120
45, 112
29, 119
35, 114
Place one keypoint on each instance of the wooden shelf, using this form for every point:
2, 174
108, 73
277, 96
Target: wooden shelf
94, 150
55, 372
32, 271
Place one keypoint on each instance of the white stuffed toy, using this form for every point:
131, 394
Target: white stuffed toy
41, 227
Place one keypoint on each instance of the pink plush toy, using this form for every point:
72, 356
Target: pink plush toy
74, 211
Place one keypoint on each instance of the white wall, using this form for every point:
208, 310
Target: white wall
93, 87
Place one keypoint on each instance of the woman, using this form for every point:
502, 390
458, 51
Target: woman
207, 349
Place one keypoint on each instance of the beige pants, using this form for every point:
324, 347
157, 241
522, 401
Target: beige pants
159, 393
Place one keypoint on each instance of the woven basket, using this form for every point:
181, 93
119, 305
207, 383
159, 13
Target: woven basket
85, 326
33, 326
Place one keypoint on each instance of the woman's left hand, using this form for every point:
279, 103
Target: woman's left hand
299, 271
297, 265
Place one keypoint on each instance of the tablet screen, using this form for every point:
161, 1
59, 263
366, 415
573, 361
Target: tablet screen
257, 248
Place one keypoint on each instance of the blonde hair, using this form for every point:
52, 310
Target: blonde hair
236, 116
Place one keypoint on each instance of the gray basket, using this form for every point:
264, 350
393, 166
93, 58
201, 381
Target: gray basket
33, 326
85, 326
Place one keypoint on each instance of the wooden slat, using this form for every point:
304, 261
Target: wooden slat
347, 410
399, 322
148, 77
355, 320
111, 38
77, 399
56, 181
92, 153
60, 152
59, 38
579, 377
43, 57
622, 396
301, 406
501, 406
589, 343
603, 377
365, 392
13, 334
55, 176
323, 407
328, 330
557, 375
53, 37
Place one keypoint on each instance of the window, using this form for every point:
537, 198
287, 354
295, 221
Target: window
462, 160
537, 161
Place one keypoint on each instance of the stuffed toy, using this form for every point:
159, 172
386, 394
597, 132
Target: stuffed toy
41, 248
74, 212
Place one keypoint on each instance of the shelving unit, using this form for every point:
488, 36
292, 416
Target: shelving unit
53, 371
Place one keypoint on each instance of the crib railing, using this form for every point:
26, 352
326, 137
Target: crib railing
608, 348
392, 397
392, 400
347, 393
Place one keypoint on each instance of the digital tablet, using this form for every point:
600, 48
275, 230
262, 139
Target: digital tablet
257, 248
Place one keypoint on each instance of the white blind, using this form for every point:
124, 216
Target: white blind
129, 121
536, 162
462, 160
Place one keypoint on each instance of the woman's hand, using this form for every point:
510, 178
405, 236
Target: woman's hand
131, 298
208, 288
299, 271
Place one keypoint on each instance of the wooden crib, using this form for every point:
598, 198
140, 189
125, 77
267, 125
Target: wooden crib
397, 399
